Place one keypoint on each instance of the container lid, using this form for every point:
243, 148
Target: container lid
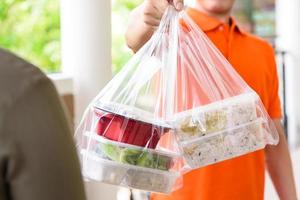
104, 161
132, 113
258, 121
239, 100
104, 140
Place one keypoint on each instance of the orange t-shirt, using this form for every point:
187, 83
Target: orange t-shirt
240, 178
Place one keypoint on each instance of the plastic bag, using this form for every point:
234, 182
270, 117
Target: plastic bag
217, 116
118, 138
176, 105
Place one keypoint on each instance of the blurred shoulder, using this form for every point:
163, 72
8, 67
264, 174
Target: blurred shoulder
16, 76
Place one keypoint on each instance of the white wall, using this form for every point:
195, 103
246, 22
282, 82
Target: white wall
86, 56
288, 31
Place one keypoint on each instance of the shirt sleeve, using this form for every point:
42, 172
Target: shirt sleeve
42, 163
274, 108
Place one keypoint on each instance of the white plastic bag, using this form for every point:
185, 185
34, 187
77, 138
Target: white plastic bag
176, 105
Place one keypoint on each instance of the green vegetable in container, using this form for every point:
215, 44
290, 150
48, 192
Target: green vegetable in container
163, 162
129, 156
135, 157
146, 160
111, 151
154, 161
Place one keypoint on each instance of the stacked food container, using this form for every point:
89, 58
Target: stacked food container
177, 89
122, 149
220, 130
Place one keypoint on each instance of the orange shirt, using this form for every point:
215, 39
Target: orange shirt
240, 178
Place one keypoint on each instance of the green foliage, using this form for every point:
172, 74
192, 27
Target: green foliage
31, 29
120, 13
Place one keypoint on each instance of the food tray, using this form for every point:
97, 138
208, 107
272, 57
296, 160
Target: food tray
130, 154
224, 145
111, 172
215, 117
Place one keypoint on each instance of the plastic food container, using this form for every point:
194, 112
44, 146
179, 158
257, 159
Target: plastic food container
224, 145
129, 154
215, 117
107, 171
128, 130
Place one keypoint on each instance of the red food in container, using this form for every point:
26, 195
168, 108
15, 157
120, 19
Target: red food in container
126, 130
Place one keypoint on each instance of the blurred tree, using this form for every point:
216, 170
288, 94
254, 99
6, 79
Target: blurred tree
120, 13
31, 29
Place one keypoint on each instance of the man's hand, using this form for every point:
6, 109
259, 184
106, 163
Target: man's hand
153, 10
145, 19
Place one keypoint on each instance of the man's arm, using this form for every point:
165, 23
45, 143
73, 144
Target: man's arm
280, 166
144, 19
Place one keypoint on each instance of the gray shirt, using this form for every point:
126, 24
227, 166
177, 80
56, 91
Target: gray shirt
38, 160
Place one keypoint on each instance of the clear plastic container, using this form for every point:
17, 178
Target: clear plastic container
120, 123
178, 82
224, 145
215, 117
131, 112
111, 172
130, 154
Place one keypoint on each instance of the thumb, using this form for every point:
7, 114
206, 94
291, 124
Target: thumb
178, 4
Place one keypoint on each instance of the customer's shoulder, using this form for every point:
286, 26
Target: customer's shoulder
13, 65
258, 42
16, 76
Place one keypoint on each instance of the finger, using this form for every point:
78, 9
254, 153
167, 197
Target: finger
151, 11
161, 5
178, 4
150, 21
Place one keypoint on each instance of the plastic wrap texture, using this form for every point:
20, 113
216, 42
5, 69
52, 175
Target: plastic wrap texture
177, 105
